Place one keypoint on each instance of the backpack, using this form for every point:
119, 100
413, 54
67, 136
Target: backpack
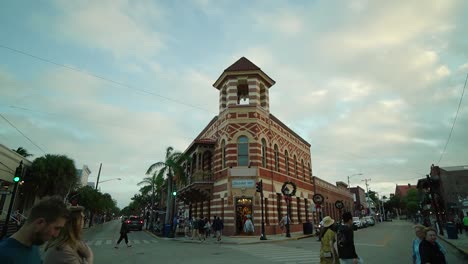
341, 238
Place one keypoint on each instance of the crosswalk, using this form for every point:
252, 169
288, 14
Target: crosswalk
281, 254
104, 242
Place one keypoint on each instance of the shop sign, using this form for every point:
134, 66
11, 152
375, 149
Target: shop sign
243, 183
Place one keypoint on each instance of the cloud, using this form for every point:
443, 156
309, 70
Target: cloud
119, 27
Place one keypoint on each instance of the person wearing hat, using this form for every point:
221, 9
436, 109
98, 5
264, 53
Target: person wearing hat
328, 254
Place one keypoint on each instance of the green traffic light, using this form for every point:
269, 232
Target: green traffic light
16, 179
174, 193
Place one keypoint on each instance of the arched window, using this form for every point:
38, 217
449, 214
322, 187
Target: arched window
303, 170
295, 166
286, 161
242, 151
264, 154
223, 154
276, 158
310, 172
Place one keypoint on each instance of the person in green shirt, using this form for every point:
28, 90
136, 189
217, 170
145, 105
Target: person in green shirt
465, 223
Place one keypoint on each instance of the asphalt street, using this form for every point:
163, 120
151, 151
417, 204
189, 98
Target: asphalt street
388, 242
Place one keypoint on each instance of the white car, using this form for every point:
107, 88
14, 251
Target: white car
357, 222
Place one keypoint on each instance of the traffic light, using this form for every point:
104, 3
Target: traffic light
259, 186
174, 193
18, 172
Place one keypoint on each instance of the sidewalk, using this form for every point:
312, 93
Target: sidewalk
243, 240
461, 243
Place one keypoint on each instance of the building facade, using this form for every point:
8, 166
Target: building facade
360, 203
331, 194
83, 175
9, 161
402, 190
243, 145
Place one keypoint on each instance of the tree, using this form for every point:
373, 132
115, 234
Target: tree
53, 175
172, 168
150, 184
411, 201
23, 152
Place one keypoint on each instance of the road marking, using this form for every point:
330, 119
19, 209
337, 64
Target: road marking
369, 245
146, 241
108, 242
98, 243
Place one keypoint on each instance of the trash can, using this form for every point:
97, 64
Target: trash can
307, 228
167, 230
452, 232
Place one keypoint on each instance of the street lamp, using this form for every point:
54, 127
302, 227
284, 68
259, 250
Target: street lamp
349, 176
287, 197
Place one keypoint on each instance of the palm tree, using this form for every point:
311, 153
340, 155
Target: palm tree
171, 167
53, 175
152, 184
23, 152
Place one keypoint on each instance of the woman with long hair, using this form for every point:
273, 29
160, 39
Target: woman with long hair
328, 254
68, 246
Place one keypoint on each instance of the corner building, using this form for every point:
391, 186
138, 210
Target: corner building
244, 144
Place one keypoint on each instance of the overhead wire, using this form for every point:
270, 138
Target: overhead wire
19, 131
454, 121
121, 84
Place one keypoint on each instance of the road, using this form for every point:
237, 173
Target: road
388, 242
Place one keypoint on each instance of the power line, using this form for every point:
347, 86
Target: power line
21, 133
454, 120
100, 77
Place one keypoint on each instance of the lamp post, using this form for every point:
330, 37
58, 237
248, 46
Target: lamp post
349, 176
287, 196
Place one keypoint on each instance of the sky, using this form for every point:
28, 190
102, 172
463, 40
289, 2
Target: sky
373, 86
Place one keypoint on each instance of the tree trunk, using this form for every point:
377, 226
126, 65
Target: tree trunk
169, 199
152, 205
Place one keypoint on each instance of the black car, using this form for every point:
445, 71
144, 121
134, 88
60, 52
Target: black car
134, 223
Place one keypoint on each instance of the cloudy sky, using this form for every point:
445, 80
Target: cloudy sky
373, 86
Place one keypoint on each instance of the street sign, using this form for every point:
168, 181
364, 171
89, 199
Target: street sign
5, 192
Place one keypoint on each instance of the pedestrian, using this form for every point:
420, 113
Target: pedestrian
465, 223
45, 221
124, 230
328, 254
420, 235
283, 222
69, 247
429, 250
248, 226
345, 241
201, 228
217, 227
458, 224
207, 228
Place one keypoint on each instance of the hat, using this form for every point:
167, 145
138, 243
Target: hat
328, 221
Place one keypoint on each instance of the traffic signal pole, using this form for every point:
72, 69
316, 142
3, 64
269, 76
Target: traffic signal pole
18, 173
263, 237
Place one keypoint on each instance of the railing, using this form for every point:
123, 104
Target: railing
23, 217
201, 176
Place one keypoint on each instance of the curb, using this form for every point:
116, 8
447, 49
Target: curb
242, 242
464, 252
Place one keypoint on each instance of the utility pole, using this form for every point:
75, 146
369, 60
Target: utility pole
17, 177
95, 187
367, 191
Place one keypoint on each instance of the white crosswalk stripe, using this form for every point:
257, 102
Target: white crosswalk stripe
102, 242
286, 255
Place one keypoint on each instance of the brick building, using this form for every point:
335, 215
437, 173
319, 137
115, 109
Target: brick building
242, 145
360, 203
402, 190
331, 194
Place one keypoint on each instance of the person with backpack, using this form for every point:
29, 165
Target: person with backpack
345, 241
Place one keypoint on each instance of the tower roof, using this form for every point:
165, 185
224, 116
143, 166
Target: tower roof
242, 64
245, 67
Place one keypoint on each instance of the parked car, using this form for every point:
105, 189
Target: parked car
369, 220
135, 223
356, 223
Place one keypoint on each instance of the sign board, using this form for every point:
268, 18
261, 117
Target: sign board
243, 183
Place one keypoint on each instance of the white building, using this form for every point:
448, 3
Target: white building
83, 175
